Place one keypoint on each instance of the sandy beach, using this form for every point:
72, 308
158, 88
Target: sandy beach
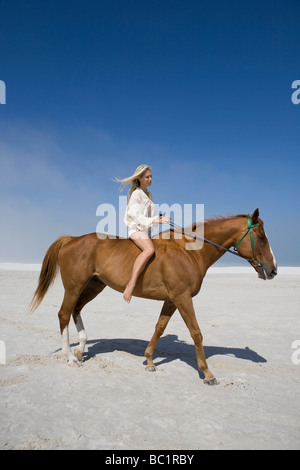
111, 402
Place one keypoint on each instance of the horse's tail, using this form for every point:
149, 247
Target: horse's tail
48, 272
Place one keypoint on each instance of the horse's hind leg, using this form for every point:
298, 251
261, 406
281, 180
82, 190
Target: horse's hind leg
94, 287
64, 315
79, 350
164, 317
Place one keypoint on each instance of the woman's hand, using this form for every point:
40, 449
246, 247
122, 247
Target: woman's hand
165, 219
162, 219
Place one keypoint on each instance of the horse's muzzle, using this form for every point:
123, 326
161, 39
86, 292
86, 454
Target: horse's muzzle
266, 272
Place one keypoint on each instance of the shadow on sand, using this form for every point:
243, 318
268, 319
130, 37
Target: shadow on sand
168, 349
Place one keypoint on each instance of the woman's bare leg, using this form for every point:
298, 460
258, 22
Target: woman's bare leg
145, 244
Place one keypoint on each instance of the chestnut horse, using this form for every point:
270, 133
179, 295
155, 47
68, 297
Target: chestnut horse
174, 275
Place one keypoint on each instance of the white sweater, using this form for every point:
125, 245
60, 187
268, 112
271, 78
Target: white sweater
140, 211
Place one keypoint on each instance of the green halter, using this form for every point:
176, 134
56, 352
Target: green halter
250, 227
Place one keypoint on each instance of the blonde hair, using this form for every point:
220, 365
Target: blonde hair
133, 179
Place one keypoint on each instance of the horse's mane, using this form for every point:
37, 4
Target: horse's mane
217, 218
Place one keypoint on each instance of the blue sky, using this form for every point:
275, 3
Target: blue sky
201, 91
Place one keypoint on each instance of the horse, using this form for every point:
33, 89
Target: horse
173, 275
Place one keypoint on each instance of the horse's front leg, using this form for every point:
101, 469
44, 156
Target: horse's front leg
186, 309
164, 317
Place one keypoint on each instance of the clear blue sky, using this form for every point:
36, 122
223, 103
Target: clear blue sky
199, 90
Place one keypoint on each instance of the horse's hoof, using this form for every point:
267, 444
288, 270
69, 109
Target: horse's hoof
78, 355
211, 381
151, 369
74, 362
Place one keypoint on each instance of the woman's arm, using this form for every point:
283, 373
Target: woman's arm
136, 212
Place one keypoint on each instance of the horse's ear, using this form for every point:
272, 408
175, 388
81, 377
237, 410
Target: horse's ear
254, 217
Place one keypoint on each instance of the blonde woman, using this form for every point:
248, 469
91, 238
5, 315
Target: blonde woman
140, 216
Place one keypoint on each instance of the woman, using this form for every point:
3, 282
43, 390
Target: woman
140, 216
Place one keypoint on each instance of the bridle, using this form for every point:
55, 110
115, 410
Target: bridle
253, 261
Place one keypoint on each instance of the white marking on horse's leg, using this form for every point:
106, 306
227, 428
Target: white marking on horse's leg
82, 337
66, 349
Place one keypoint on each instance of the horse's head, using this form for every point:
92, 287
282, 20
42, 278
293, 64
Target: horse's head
256, 248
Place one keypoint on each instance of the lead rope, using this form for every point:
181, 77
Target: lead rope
250, 226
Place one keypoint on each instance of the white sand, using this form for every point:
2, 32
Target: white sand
111, 402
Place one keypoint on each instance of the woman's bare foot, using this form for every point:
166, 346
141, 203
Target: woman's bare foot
128, 293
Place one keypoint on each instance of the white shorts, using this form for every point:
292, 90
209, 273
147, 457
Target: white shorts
133, 230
